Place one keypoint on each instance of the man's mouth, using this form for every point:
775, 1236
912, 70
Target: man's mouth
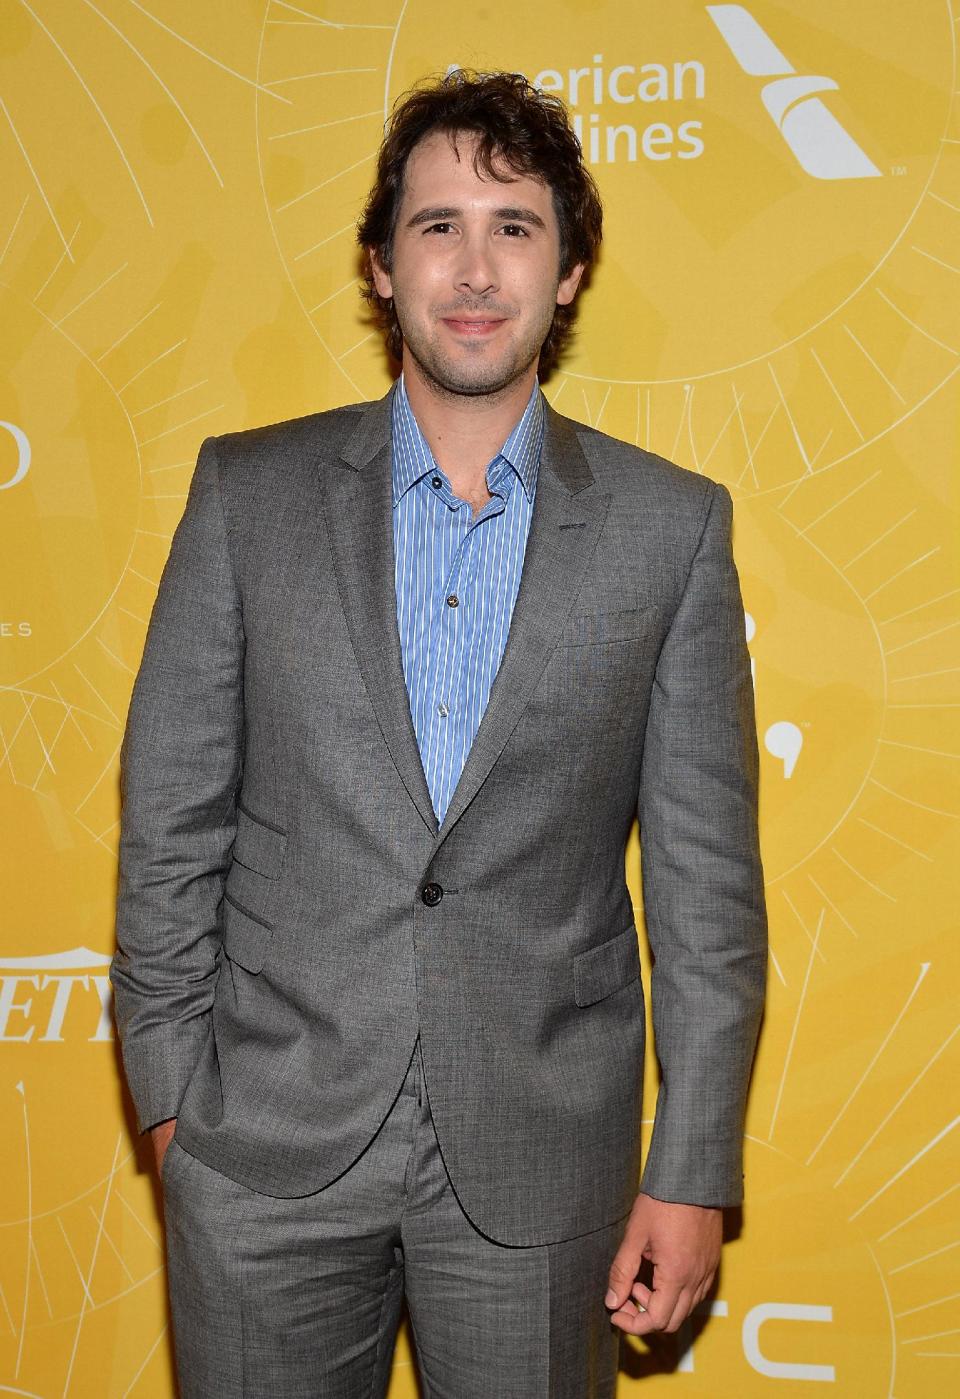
473, 325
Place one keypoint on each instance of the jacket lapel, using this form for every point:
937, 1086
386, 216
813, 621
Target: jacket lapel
358, 505
568, 515
567, 518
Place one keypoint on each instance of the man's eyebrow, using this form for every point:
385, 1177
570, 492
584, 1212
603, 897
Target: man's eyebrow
514, 212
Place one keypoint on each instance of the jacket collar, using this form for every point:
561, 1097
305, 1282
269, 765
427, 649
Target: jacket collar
561, 452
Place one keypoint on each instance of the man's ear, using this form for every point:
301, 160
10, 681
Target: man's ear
567, 289
381, 277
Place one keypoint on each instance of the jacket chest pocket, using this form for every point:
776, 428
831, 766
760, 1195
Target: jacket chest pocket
600, 669
250, 890
608, 624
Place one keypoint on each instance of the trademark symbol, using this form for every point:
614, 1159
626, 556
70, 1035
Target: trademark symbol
898, 169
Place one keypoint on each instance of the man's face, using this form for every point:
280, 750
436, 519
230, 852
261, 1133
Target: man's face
475, 278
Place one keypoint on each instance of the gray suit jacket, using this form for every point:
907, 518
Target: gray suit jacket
289, 915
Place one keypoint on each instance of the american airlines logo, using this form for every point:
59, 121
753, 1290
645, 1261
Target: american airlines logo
822, 146
627, 108
45, 997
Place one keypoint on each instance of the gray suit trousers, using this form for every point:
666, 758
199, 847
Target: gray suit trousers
289, 1298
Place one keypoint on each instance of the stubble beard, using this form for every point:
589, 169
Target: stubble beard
474, 373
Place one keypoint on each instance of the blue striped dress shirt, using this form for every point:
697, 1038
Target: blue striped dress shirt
457, 576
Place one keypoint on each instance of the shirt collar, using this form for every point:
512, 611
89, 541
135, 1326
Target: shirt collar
412, 457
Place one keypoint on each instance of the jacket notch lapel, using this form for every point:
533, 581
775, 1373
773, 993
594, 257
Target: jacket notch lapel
358, 508
568, 516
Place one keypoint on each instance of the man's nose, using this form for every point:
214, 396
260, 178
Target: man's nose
475, 269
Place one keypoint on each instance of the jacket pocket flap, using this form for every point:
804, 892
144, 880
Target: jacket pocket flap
600, 971
245, 938
258, 846
619, 624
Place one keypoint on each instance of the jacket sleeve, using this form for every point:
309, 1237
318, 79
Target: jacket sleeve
180, 765
703, 888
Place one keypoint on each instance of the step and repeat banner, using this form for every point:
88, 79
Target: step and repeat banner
777, 306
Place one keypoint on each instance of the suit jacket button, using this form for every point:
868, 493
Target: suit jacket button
431, 894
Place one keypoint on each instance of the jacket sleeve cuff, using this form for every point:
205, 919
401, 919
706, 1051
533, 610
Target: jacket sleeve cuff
159, 1065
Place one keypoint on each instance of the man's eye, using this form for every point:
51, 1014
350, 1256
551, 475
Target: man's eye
434, 226
514, 228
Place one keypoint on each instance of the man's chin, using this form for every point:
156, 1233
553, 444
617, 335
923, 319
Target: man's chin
472, 378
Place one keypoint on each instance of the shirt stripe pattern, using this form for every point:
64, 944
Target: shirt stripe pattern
457, 576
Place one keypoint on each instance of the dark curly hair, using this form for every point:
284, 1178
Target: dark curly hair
528, 131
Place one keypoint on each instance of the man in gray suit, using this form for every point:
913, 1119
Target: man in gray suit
413, 668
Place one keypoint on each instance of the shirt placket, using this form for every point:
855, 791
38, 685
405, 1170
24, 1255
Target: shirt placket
455, 612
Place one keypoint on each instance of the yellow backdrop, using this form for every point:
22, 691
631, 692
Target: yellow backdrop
777, 306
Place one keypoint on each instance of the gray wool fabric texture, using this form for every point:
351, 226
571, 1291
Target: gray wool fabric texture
302, 1297
290, 919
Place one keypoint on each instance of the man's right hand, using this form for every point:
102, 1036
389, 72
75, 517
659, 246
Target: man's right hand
161, 1135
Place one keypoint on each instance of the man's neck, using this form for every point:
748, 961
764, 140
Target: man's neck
465, 431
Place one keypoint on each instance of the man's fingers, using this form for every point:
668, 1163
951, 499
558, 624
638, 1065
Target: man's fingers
691, 1297
663, 1302
684, 1306
632, 1322
659, 1308
623, 1272
161, 1136
704, 1288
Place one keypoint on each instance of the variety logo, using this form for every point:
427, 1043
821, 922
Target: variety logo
824, 149
38, 993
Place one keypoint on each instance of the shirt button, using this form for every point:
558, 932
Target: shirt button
453, 600
431, 894
442, 710
436, 482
